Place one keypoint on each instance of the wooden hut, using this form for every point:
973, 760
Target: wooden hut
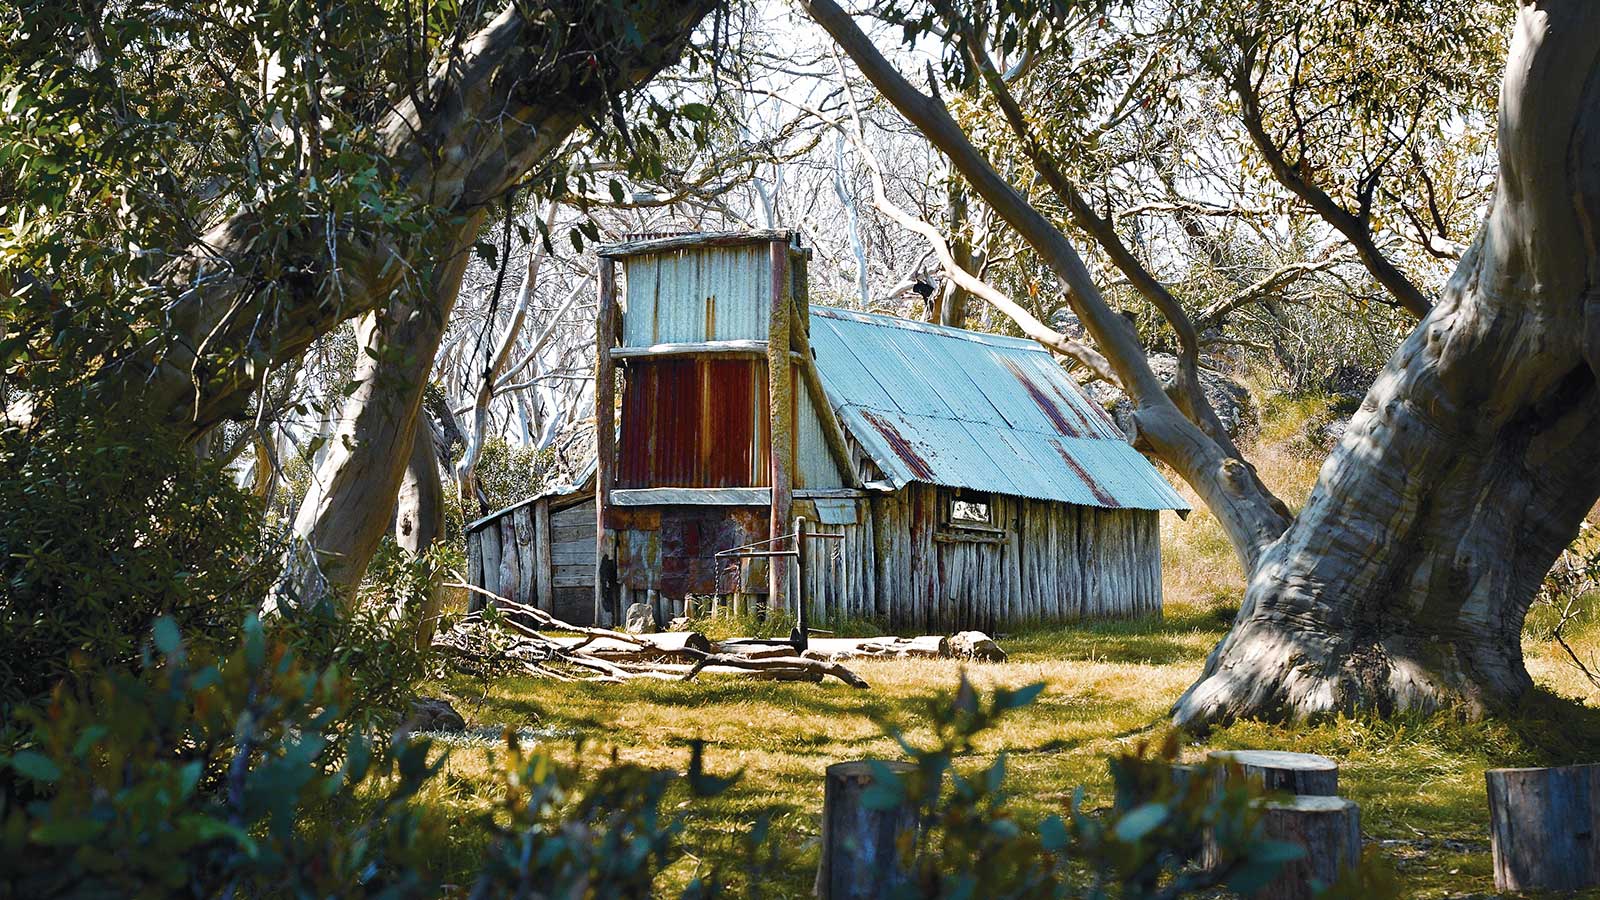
969, 480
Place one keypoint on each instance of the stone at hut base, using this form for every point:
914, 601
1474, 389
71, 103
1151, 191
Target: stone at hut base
640, 619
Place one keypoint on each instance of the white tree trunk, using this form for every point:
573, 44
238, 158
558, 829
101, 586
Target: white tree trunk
352, 495
419, 515
1404, 581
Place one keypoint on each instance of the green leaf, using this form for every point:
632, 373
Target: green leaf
697, 112
1140, 821
1008, 699
1053, 833
1276, 852
166, 637
67, 831
36, 767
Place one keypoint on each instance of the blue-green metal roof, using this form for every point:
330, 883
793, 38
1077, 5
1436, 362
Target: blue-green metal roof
981, 411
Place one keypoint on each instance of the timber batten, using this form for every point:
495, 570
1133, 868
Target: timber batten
966, 481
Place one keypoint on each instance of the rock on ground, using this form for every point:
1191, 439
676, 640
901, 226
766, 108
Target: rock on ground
977, 646
641, 619
432, 714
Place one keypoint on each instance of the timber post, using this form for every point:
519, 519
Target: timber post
780, 445
1544, 825
802, 572
861, 846
605, 432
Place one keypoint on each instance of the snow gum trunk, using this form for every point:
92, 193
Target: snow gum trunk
1404, 581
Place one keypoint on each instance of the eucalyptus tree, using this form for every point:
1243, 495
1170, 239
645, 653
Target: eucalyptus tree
202, 189
1404, 580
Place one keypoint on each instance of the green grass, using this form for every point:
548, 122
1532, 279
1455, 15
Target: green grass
1419, 780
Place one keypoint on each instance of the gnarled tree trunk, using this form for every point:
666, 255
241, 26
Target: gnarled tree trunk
482, 119
1404, 581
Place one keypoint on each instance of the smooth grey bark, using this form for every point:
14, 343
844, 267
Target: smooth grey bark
419, 516
953, 299
1247, 511
1404, 582
350, 502
488, 115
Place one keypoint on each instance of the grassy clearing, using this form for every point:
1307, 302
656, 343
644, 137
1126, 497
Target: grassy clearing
1419, 781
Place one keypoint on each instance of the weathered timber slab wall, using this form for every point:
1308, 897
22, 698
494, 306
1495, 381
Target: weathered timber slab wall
1041, 562
897, 563
539, 553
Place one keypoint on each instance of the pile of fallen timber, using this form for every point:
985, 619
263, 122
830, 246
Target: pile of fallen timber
600, 654
512, 638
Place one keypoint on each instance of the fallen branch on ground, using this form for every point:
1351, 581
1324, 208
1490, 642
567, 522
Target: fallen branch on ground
483, 647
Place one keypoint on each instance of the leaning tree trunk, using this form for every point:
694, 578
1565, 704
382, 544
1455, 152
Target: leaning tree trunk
419, 517
351, 500
1404, 581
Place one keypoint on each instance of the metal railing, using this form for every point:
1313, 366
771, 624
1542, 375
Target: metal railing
799, 636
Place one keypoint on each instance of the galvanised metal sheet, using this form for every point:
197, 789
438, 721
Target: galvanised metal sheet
963, 409
814, 462
697, 294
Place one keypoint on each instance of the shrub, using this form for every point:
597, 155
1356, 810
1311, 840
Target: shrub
109, 523
196, 778
1148, 844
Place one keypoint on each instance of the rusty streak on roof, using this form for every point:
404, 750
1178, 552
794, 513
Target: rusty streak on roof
987, 412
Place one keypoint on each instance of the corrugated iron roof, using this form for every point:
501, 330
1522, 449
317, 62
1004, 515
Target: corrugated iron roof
981, 411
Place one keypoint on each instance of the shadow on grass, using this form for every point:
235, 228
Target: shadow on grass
1552, 730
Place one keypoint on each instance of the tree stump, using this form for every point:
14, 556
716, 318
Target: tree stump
1543, 828
861, 846
1329, 828
1276, 770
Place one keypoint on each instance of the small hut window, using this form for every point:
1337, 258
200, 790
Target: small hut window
971, 508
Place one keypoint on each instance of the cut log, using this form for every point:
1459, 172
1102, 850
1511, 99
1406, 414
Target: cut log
649, 646
1277, 770
861, 847
782, 663
976, 645
1544, 828
927, 646
1328, 828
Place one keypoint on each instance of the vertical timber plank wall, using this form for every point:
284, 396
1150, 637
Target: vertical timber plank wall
605, 429
542, 571
1057, 562
522, 527
780, 376
572, 560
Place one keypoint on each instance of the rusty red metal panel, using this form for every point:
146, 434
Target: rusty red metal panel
693, 422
